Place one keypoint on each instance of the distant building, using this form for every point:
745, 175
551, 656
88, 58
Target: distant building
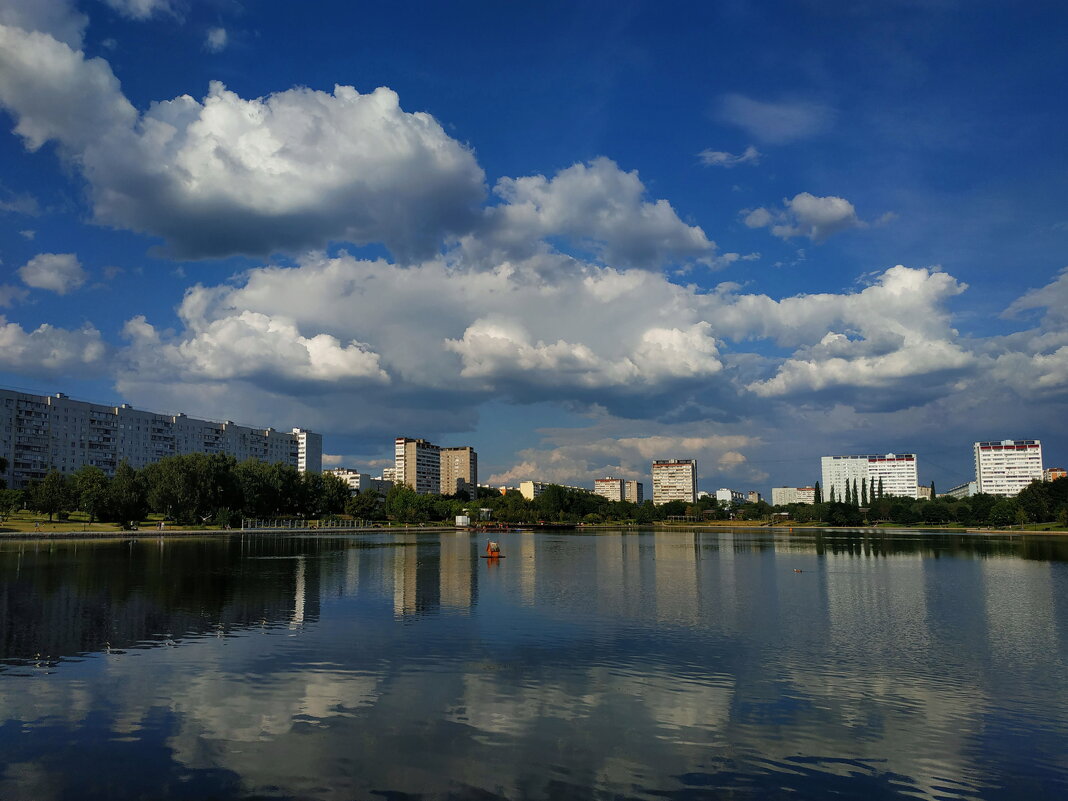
634, 491
532, 489
1053, 473
896, 472
390, 474
923, 492
459, 470
39, 433
418, 464
1006, 467
753, 496
309, 451
781, 496
610, 488
429, 469
965, 490
731, 497
674, 480
360, 482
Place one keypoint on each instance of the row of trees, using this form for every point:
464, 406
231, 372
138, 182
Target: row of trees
200, 488
1039, 502
193, 488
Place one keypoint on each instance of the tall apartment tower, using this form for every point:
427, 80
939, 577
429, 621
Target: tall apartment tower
309, 451
896, 471
459, 470
674, 480
633, 491
418, 464
1006, 467
608, 487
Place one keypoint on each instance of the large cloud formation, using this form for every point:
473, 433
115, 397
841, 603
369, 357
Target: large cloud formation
227, 175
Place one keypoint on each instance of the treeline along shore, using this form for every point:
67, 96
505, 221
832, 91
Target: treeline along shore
197, 491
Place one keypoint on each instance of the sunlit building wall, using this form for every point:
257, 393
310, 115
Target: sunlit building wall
1006, 467
674, 480
897, 472
39, 433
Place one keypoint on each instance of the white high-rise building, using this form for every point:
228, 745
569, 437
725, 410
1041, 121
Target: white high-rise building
608, 487
1006, 467
896, 471
309, 451
39, 433
674, 480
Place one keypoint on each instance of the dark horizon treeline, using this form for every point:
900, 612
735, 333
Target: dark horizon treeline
217, 489
193, 488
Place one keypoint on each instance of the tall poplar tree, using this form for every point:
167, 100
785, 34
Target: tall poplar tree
817, 496
864, 494
848, 499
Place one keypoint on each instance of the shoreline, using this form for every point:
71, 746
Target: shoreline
178, 533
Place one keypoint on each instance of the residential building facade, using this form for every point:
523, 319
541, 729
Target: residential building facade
532, 489
459, 471
965, 490
674, 480
634, 491
1006, 467
360, 482
1053, 473
781, 496
731, 497
610, 488
418, 464
896, 472
39, 433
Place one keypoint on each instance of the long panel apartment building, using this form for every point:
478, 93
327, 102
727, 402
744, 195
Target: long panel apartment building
1006, 467
674, 480
895, 471
39, 433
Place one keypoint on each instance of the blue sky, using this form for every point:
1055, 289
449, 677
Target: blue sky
576, 236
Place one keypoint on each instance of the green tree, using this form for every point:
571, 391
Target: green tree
52, 494
818, 495
11, 500
335, 494
1003, 512
400, 503
864, 494
366, 506
3, 469
127, 496
90, 488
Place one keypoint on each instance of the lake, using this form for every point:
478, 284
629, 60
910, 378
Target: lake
667, 665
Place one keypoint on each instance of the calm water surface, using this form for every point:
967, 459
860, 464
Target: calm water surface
672, 665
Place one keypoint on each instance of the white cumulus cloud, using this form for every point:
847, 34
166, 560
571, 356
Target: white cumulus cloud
600, 206
807, 215
228, 175
48, 350
57, 272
